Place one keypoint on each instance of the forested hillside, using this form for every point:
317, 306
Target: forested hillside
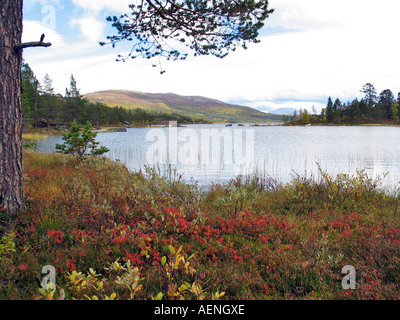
44, 108
193, 106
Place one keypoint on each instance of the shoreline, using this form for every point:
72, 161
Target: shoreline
339, 125
37, 134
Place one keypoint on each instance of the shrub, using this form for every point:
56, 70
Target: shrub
284, 242
80, 141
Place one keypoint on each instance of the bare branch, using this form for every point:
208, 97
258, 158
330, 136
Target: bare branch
24, 45
39, 43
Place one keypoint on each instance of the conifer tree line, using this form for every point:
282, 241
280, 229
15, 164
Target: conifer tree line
42, 107
372, 108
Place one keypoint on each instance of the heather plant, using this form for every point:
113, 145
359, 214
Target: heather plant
93, 286
236, 196
343, 192
161, 238
7, 248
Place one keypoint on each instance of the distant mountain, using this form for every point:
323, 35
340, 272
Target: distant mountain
282, 111
194, 106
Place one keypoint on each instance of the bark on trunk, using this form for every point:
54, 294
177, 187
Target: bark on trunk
11, 170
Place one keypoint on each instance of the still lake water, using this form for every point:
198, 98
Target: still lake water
279, 152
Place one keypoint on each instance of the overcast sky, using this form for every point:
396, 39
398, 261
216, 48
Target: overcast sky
309, 50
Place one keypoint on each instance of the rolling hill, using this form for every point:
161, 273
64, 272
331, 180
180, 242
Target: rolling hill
195, 106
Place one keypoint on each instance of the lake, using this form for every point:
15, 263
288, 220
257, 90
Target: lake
216, 153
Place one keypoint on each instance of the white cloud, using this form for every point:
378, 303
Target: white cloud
99, 5
62, 58
32, 30
92, 23
91, 28
317, 14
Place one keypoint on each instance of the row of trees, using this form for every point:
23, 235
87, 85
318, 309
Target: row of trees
43, 108
372, 108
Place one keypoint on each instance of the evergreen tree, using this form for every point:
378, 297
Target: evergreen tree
329, 110
73, 101
357, 113
366, 109
370, 94
386, 100
49, 101
306, 117
394, 112
379, 113
80, 141
337, 107
323, 115
28, 95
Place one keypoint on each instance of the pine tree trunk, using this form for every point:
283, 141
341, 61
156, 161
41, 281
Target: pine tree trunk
11, 169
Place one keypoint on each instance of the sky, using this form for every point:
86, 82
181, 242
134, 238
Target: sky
310, 50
